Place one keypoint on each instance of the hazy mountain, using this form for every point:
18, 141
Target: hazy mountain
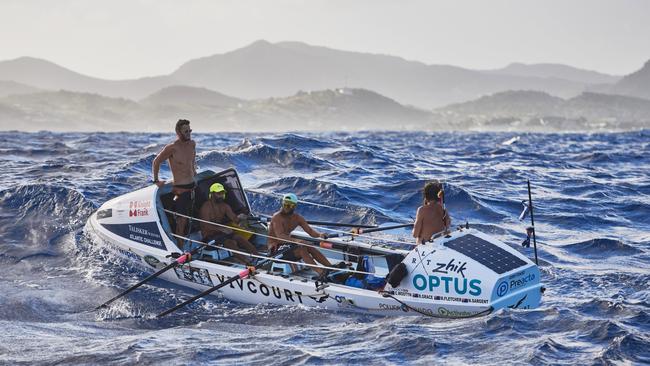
12, 87
191, 96
47, 75
509, 103
636, 84
67, 111
341, 109
540, 111
264, 69
556, 71
338, 109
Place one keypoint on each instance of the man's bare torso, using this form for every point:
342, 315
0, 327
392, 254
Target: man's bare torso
286, 223
213, 212
429, 221
182, 161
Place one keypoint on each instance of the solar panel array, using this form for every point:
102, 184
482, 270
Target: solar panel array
486, 253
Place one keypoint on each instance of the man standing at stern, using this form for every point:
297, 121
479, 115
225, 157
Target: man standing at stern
181, 155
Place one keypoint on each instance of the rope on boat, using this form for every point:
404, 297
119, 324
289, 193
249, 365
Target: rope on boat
271, 258
273, 237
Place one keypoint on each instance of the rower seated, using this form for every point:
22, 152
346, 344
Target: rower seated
282, 224
216, 210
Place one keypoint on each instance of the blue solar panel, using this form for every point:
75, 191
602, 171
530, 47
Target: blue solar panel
486, 253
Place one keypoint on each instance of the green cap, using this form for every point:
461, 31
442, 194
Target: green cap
217, 187
290, 197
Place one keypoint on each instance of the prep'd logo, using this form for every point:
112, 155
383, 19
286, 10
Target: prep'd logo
139, 208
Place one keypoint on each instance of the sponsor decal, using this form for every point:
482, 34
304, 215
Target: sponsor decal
393, 307
454, 313
255, 287
139, 208
518, 304
451, 267
513, 283
459, 286
195, 275
126, 253
460, 299
502, 289
521, 282
152, 261
140, 204
143, 232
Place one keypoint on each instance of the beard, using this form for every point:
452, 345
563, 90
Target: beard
287, 212
218, 199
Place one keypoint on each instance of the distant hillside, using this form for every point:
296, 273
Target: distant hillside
556, 71
636, 84
508, 104
540, 111
262, 70
67, 111
190, 96
47, 75
12, 87
265, 69
341, 109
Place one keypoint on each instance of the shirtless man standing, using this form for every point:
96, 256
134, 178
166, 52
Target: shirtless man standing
216, 210
431, 217
182, 161
283, 223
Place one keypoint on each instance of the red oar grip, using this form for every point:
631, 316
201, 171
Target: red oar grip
326, 245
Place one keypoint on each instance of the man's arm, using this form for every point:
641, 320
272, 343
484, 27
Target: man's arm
194, 156
165, 154
203, 215
231, 215
417, 227
305, 226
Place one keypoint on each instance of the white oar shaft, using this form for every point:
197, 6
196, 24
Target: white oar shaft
271, 258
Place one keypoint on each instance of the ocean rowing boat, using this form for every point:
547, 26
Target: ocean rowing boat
464, 274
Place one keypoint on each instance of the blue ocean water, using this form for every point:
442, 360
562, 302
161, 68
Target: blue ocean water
592, 197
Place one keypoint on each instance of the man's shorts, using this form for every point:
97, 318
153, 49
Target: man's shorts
185, 200
290, 254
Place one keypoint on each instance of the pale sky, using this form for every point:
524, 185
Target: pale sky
118, 39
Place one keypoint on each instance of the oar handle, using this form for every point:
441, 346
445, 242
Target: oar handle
265, 218
383, 228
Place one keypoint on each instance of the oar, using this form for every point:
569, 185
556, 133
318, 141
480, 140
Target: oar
243, 274
180, 260
372, 230
323, 223
327, 223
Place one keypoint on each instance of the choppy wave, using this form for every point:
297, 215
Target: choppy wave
592, 198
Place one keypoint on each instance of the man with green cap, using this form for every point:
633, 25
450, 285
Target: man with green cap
283, 223
216, 210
